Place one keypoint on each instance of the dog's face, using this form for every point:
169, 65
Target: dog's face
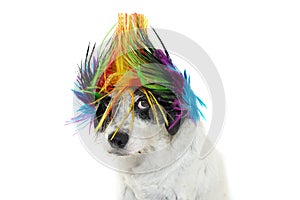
135, 126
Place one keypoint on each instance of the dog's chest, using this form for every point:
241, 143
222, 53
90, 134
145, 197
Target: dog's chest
177, 182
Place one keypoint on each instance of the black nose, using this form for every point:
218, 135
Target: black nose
119, 140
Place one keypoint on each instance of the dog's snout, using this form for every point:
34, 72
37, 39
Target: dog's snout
119, 140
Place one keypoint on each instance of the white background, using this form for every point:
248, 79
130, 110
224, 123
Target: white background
254, 44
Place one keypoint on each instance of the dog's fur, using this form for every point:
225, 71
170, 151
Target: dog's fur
190, 177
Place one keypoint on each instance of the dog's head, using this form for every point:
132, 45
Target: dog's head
135, 96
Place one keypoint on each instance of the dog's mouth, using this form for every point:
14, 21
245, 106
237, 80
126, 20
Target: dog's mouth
118, 152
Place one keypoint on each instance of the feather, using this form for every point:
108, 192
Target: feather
129, 60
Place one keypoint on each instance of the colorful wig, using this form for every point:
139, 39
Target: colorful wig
127, 61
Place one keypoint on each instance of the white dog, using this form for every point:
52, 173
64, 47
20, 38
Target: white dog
190, 177
147, 118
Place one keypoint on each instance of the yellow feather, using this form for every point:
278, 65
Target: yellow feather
163, 114
132, 109
151, 105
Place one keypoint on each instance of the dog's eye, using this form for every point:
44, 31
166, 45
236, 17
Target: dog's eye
143, 104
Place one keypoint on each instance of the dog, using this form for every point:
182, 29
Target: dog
147, 119
190, 177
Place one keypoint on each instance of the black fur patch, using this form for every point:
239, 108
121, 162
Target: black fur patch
102, 105
165, 99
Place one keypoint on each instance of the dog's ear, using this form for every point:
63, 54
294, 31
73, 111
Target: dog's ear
174, 117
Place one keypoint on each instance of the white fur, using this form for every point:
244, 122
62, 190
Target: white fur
190, 177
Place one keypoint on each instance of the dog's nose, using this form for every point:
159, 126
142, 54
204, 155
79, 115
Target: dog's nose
120, 139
